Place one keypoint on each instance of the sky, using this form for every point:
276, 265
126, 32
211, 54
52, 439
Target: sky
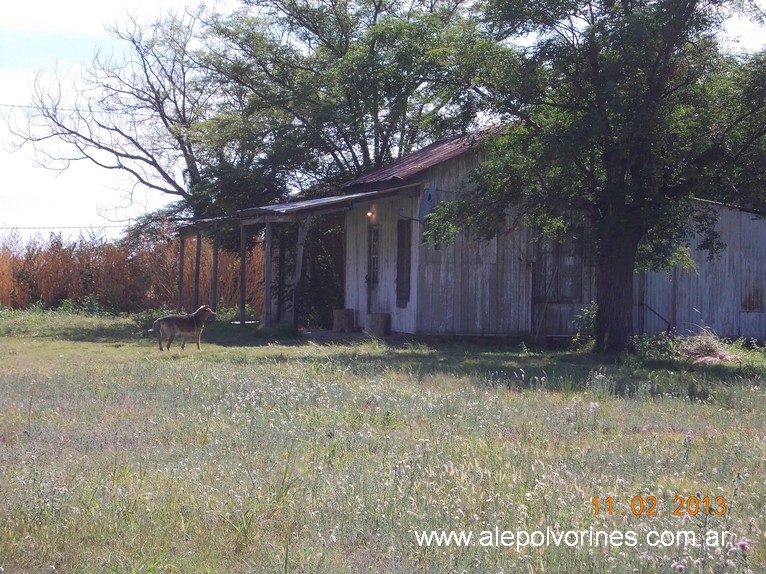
47, 35
42, 37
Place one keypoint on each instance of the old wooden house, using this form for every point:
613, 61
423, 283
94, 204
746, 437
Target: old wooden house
510, 285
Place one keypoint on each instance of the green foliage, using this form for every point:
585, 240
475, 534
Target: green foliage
619, 115
37, 308
704, 345
86, 305
354, 85
144, 319
665, 346
230, 314
585, 323
445, 222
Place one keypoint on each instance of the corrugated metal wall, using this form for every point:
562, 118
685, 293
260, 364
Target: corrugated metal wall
725, 294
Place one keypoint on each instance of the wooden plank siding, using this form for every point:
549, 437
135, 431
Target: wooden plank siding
470, 287
476, 287
725, 294
386, 215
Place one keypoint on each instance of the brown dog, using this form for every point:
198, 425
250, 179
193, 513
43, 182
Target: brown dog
184, 325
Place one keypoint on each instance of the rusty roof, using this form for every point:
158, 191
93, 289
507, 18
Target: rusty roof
395, 178
320, 205
414, 163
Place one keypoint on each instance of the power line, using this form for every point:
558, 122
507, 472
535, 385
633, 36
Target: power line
31, 107
82, 111
22, 106
81, 227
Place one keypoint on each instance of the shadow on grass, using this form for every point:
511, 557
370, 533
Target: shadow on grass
496, 363
490, 363
101, 333
70, 327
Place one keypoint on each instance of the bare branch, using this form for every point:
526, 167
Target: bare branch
130, 113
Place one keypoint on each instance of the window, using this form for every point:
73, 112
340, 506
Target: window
558, 275
403, 261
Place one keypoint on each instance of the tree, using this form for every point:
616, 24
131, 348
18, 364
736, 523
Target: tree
618, 115
356, 85
157, 113
360, 82
131, 113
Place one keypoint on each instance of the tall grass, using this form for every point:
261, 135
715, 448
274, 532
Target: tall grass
330, 458
119, 276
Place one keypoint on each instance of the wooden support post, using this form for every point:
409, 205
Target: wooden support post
267, 249
214, 278
303, 228
197, 261
242, 274
281, 268
181, 255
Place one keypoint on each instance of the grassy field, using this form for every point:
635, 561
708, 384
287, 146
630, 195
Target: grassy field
321, 456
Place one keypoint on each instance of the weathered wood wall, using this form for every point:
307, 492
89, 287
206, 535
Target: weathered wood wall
477, 287
386, 214
486, 287
471, 287
726, 294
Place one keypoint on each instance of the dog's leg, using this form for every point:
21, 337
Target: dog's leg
183, 342
157, 328
170, 340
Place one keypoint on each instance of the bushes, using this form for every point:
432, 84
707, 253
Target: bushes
704, 346
92, 275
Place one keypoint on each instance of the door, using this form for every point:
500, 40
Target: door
373, 267
557, 286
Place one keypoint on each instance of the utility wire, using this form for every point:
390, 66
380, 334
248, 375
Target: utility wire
20, 228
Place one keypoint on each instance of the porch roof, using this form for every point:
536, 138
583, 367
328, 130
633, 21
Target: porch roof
295, 209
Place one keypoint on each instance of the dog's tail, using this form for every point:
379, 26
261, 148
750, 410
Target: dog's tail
155, 326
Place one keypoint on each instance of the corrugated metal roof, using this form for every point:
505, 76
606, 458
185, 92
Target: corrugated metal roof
322, 204
417, 162
402, 172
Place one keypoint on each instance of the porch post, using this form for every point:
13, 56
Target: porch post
303, 229
267, 249
197, 260
242, 273
181, 254
214, 278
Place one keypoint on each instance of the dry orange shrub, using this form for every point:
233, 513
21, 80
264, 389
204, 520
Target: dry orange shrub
120, 276
228, 276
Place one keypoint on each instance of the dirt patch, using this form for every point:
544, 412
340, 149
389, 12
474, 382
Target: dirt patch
715, 359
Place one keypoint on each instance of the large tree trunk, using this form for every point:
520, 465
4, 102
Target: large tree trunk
614, 290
